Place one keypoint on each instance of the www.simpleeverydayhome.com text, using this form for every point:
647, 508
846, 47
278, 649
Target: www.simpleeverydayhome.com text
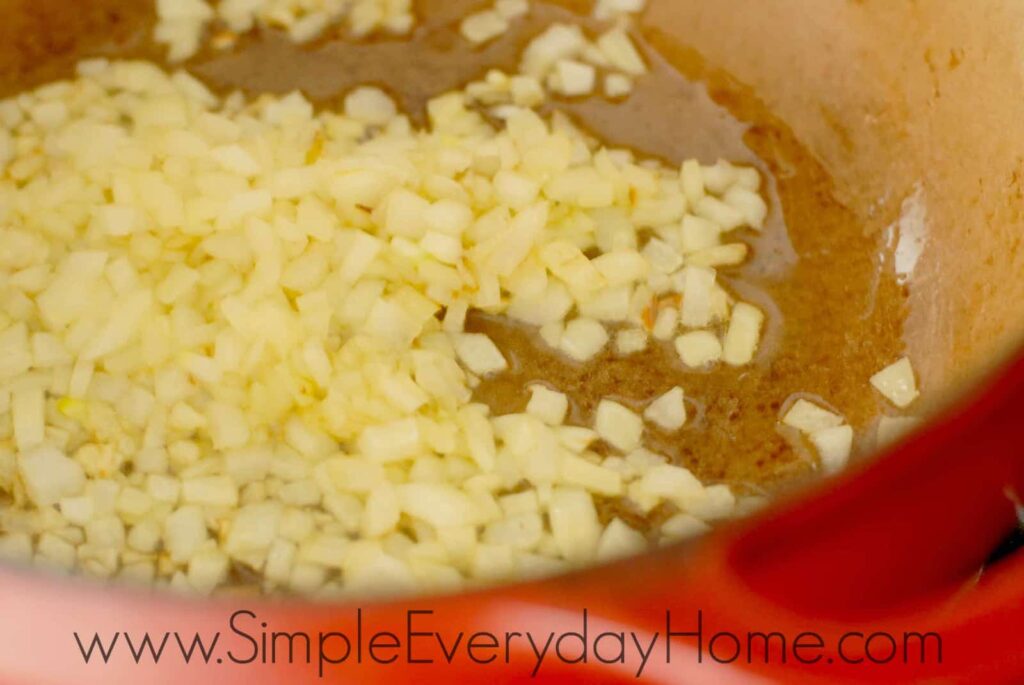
424, 641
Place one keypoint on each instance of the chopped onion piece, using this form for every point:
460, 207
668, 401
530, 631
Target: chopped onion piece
834, 445
744, 333
50, 475
748, 203
621, 53
630, 341
479, 353
619, 426
590, 476
484, 26
699, 234
371, 106
619, 541
897, 383
698, 286
583, 339
666, 324
547, 405
574, 524
575, 78
699, 349
683, 527
668, 411
809, 418
617, 86
732, 254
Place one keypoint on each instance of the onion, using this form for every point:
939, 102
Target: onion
668, 411
256, 353
897, 383
547, 405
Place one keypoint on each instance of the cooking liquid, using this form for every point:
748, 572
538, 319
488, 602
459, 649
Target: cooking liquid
834, 315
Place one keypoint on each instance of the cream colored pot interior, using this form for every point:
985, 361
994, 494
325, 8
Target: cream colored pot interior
914, 108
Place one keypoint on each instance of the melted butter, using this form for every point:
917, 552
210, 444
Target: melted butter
833, 318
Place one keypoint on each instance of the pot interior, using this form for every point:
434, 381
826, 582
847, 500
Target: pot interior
885, 130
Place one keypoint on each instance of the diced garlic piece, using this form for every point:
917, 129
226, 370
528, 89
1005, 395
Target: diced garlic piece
630, 341
668, 411
897, 383
479, 353
481, 27
699, 349
809, 418
547, 405
834, 446
619, 541
619, 426
574, 524
575, 78
743, 336
583, 339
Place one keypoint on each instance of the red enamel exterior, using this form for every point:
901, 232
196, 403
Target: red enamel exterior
893, 548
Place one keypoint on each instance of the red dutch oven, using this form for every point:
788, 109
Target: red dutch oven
880, 575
